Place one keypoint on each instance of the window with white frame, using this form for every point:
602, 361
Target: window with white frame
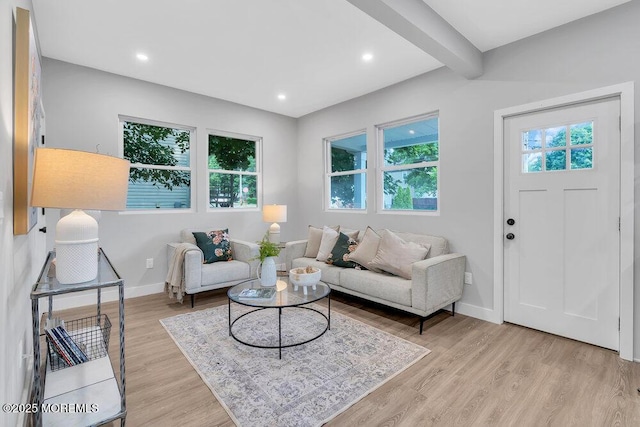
410, 164
160, 156
346, 171
567, 147
234, 171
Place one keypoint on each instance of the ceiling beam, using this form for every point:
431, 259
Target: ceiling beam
419, 24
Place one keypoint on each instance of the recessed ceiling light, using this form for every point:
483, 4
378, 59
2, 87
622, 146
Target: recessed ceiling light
282, 96
142, 57
367, 57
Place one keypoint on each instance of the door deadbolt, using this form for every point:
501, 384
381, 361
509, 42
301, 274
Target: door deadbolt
511, 221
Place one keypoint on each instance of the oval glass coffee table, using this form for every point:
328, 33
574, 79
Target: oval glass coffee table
283, 298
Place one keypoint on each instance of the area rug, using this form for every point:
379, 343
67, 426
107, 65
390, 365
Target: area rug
310, 385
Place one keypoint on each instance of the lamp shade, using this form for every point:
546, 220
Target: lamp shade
274, 213
80, 180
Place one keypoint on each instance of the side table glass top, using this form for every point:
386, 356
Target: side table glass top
284, 297
47, 283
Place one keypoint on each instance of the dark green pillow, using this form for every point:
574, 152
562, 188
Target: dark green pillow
215, 245
339, 255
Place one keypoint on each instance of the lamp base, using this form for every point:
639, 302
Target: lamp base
274, 233
76, 248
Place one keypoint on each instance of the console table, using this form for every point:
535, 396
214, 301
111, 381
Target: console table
88, 393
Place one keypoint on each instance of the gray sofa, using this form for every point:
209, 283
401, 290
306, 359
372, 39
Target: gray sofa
436, 282
199, 277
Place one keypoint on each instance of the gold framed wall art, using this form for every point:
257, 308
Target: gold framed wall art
28, 120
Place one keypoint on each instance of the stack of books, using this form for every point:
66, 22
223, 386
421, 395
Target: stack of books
65, 347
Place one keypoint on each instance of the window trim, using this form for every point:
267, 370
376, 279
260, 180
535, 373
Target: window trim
258, 173
192, 167
381, 168
328, 174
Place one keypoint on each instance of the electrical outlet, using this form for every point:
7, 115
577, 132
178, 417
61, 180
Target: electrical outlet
468, 278
149, 262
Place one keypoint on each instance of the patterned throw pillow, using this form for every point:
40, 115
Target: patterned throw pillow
339, 255
215, 245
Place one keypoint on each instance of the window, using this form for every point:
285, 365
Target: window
566, 147
233, 171
410, 164
160, 156
346, 171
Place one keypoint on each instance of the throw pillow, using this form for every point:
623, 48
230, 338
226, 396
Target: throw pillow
329, 239
395, 256
339, 255
367, 250
215, 245
313, 241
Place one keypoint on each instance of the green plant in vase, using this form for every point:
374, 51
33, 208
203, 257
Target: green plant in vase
267, 248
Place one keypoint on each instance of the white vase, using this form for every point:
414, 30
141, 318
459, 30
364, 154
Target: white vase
267, 272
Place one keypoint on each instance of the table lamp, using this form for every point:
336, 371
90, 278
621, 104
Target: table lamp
274, 214
78, 180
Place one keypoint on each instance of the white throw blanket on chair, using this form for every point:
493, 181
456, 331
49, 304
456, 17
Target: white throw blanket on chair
174, 285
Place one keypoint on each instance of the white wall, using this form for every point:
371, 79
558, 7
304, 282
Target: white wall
82, 107
21, 257
594, 52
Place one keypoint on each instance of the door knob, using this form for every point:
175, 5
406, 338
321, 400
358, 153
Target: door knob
511, 221
510, 236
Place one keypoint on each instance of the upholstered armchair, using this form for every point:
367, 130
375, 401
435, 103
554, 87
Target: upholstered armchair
192, 275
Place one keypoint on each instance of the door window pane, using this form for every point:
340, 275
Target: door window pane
532, 162
531, 140
582, 133
556, 160
582, 158
556, 137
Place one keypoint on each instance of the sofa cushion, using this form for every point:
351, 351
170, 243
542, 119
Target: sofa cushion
329, 239
314, 237
330, 273
381, 285
439, 245
396, 256
223, 272
367, 250
215, 245
339, 255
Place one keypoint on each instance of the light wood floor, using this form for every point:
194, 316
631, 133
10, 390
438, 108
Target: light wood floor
478, 373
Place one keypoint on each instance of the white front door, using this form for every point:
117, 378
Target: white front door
562, 195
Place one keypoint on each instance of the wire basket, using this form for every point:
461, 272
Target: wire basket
88, 339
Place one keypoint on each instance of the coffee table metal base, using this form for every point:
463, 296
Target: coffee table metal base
327, 317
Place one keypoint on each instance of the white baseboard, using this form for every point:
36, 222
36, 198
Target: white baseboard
477, 312
80, 299
23, 419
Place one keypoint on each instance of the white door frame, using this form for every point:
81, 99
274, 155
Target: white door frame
626, 92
